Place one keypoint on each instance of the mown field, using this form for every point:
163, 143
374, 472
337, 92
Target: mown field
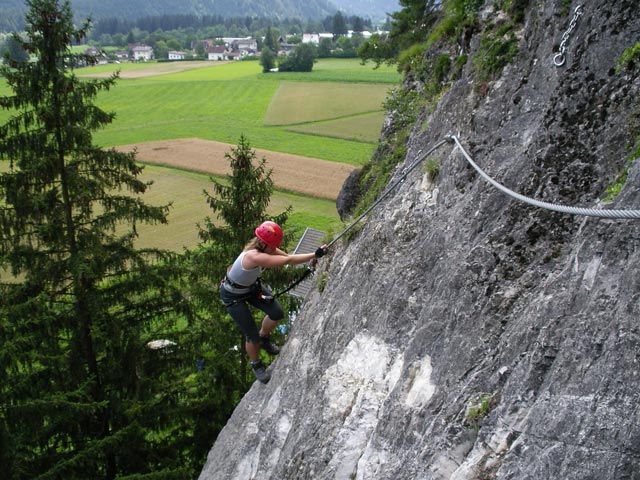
333, 113
219, 102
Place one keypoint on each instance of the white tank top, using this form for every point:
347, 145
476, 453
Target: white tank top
241, 276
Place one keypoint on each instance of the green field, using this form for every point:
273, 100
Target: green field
223, 101
303, 102
361, 128
338, 120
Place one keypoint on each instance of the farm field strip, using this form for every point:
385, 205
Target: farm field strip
303, 102
361, 128
307, 176
144, 70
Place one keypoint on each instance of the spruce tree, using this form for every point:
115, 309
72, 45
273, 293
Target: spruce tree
242, 203
81, 395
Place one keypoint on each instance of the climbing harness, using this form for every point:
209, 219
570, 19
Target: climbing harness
256, 287
560, 58
591, 212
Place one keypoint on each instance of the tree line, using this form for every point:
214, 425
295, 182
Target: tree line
187, 28
250, 25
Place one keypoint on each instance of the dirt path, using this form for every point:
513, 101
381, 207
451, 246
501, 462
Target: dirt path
309, 176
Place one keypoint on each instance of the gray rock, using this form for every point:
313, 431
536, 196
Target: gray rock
349, 195
468, 335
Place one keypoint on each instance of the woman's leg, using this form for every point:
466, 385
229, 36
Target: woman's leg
267, 326
274, 314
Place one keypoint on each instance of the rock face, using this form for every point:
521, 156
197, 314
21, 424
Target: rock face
464, 334
348, 196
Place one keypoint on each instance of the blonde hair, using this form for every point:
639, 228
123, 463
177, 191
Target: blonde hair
255, 244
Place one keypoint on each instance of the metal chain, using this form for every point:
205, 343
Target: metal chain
560, 58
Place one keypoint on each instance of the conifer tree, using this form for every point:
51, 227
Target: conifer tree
242, 203
271, 40
81, 395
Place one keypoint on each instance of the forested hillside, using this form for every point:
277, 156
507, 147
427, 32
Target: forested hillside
12, 17
13, 10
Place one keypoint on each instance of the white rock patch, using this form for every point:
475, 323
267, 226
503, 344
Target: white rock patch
356, 388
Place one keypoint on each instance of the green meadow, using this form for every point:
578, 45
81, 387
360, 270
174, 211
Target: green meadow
221, 102
184, 190
333, 113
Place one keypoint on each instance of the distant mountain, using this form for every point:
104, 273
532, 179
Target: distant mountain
12, 17
376, 10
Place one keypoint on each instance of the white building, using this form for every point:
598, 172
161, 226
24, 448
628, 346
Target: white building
174, 55
217, 52
315, 37
142, 52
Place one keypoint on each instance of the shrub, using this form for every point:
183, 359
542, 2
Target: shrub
432, 168
479, 410
498, 46
629, 57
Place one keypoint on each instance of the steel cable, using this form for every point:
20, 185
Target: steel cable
450, 138
590, 212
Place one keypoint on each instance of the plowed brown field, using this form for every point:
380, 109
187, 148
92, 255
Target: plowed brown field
309, 176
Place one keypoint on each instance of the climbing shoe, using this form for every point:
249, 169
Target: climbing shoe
261, 371
267, 346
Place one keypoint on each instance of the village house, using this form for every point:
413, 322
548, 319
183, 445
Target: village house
141, 52
217, 52
220, 52
175, 55
245, 46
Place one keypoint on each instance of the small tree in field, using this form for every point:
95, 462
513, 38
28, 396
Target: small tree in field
267, 60
300, 60
81, 395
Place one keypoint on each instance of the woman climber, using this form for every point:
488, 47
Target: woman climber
241, 287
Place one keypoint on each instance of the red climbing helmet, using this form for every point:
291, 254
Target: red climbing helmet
270, 233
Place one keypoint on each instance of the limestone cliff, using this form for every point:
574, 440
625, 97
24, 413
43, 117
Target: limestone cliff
463, 334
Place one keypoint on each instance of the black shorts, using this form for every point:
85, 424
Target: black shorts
241, 313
